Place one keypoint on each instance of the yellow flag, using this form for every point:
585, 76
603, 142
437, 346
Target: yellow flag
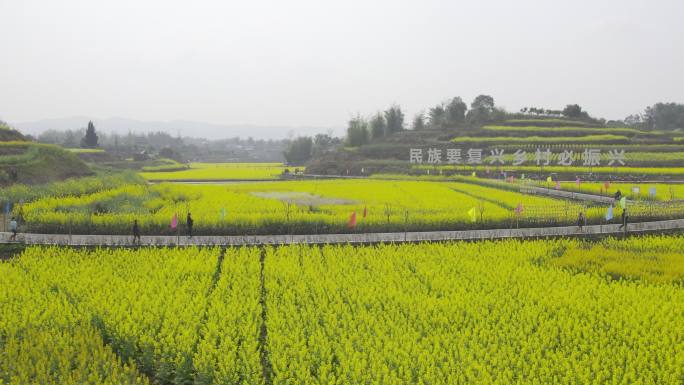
473, 214
549, 179
474, 175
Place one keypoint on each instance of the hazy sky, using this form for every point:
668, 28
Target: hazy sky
315, 63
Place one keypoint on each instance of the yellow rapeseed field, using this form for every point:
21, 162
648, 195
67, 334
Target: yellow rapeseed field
297, 207
220, 171
495, 312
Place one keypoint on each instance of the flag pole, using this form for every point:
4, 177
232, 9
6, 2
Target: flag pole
405, 223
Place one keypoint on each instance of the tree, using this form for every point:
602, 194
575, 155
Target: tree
483, 102
482, 110
573, 111
90, 138
357, 132
323, 143
70, 139
170, 153
378, 126
615, 123
418, 122
437, 116
635, 121
394, 119
455, 111
299, 151
664, 116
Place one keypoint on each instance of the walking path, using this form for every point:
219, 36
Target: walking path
123, 240
566, 194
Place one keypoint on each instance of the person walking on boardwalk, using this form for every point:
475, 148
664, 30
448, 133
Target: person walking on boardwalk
624, 219
581, 221
136, 232
13, 228
618, 195
189, 222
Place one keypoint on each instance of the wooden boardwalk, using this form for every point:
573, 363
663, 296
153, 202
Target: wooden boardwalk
534, 190
537, 232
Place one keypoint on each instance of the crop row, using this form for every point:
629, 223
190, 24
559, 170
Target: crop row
561, 129
161, 313
604, 171
604, 138
474, 313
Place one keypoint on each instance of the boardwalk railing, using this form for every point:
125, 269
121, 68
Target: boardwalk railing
566, 194
122, 240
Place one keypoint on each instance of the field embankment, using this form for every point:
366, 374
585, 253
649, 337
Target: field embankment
32, 163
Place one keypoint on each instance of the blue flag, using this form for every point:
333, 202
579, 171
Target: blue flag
609, 214
8, 207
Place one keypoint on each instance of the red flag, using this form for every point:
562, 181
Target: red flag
365, 211
606, 185
352, 220
577, 182
174, 221
557, 185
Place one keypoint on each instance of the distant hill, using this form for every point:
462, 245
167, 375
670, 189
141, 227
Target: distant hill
390, 154
8, 134
186, 128
29, 163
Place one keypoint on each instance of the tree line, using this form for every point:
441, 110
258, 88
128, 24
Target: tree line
449, 114
660, 116
302, 149
454, 114
163, 144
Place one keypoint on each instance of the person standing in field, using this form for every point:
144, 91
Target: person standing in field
136, 232
189, 222
14, 226
581, 221
624, 219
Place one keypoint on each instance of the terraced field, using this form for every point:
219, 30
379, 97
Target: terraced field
649, 154
217, 171
602, 138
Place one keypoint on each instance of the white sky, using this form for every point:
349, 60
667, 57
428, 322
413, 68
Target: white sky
315, 63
